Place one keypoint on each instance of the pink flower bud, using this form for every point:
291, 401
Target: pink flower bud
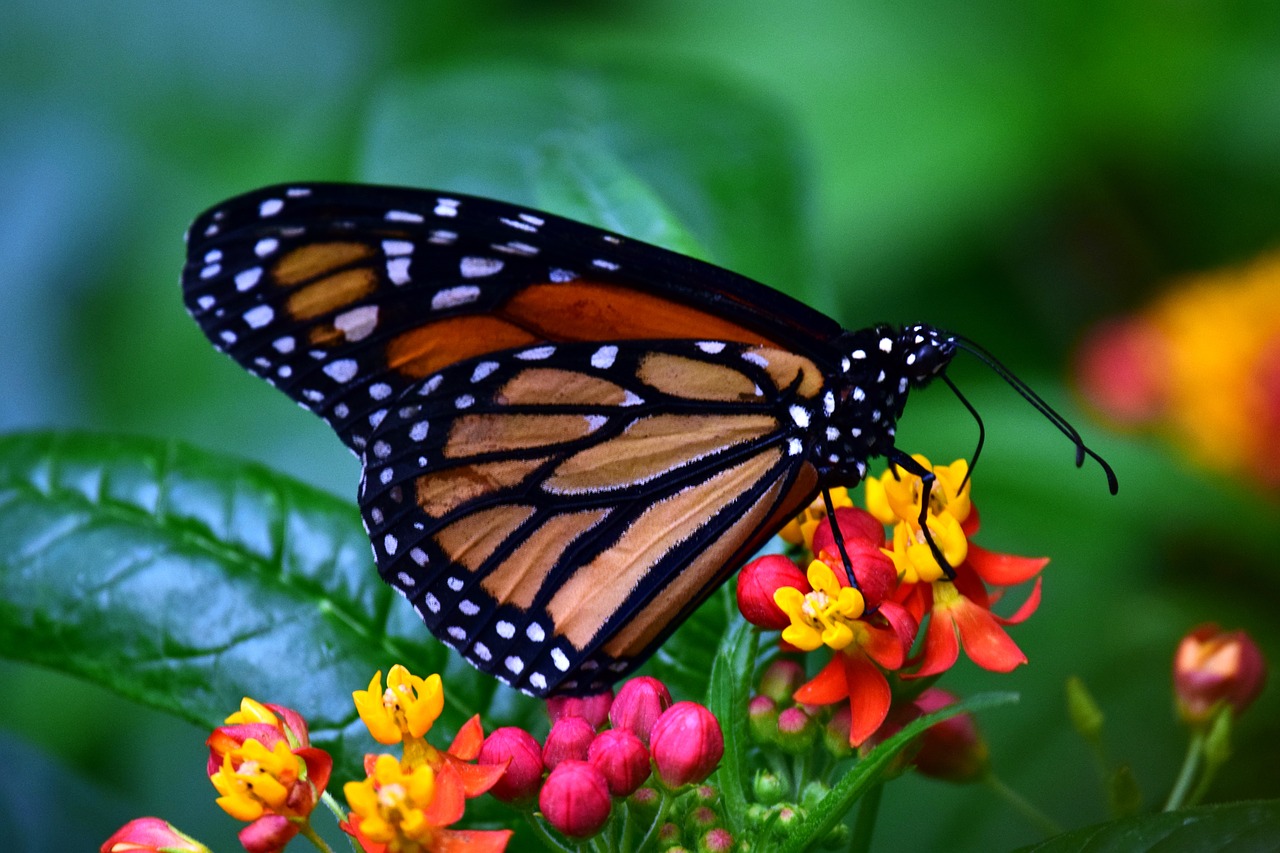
638, 705
575, 799
952, 750
1213, 668
148, 834
686, 744
835, 736
856, 525
781, 679
762, 719
718, 840
569, 739
520, 752
757, 582
593, 709
622, 758
268, 834
796, 731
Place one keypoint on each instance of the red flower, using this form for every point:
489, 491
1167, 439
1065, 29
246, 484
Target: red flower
757, 583
686, 743
1214, 669
638, 705
517, 751
569, 739
952, 750
150, 835
623, 760
594, 709
854, 673
575, 799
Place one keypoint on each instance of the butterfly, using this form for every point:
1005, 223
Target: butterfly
569, 439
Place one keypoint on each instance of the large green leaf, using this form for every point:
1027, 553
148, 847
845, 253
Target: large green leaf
186, 580
1238, 827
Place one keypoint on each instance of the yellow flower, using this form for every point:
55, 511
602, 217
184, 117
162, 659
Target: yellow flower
253, 711
799, 531
391, 804
254, 780
913, 557
407, 709
825, 616
895, 495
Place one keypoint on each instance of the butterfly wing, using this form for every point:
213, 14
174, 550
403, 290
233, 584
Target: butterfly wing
554, 512
482, 359
344, 296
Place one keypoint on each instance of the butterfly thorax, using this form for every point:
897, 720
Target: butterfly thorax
880, 365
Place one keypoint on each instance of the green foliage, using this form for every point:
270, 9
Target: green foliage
1243, 827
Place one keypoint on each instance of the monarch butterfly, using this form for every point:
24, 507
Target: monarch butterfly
569, 438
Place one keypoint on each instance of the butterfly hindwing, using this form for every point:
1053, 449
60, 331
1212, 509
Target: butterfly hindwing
553, 512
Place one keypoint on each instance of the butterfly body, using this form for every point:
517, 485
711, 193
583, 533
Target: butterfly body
569, 439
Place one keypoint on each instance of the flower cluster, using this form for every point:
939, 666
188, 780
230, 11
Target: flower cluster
267, 774
898, 585
1202, 364
407, 804
600, 753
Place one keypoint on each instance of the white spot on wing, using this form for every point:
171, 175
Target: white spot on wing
536, 354
398, 270
259, 316
602, 359
403, 216
358, 323
341, 370
559, 658
476, 267
271, 207
452, 297
265, 246
483, 369
248, 278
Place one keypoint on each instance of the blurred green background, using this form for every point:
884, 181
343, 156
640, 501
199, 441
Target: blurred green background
1013, 171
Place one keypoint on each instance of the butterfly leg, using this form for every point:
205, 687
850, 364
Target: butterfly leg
835, 531
927, 478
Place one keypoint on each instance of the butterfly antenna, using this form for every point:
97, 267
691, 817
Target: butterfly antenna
982, 430
1040, 406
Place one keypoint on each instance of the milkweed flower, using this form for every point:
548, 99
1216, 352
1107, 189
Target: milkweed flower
959, 607
623, 760
1215, 669
266, 773
638, 705
952, 750
150, 835
399, 809
1170, 367
406, 711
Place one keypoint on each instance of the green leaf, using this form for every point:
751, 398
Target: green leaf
1239, 827
185, 581
665, 154
727, 696
869, 771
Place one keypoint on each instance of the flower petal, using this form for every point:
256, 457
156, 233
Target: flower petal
1004, 569
984, 641
941, 645
466, 744
827, 686
869, 697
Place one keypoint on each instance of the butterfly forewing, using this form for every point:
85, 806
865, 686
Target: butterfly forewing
345, 296
553, 512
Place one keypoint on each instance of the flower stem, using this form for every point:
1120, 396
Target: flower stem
308, 832
547, 839
1023, 806
1190, 767
664, 807
865, 823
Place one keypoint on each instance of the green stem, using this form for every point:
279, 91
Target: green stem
664, 808
1190, 767
865, 824
307, 831
1023, 806
548, 840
